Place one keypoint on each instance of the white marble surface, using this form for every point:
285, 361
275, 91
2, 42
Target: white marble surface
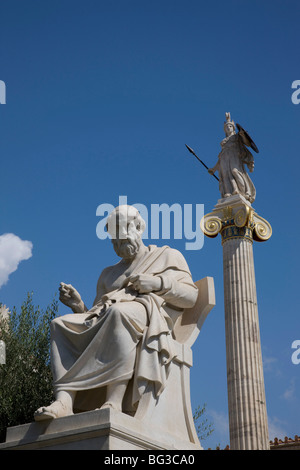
95, 430
246, 393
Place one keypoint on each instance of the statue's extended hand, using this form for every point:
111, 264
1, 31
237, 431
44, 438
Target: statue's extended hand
69, 296
144, 283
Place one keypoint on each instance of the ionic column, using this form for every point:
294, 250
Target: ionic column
239, 225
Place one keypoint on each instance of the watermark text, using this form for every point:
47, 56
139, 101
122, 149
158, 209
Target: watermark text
2, 92
296, 353
296, 94
163, 221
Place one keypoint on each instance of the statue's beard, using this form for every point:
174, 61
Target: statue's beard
127, 248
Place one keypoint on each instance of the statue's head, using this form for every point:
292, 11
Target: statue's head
126, 226
229, 126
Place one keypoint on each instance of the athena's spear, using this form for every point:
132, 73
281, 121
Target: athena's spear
192, 151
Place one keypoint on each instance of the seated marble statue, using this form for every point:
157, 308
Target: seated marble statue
127, 335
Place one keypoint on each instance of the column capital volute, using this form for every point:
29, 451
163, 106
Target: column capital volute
234, 217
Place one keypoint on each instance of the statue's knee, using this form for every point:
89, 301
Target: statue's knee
115, 311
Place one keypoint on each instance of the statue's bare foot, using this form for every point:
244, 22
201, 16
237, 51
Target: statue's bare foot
114, 396
57, 409
110, 405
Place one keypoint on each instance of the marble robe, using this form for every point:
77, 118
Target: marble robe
232, 174
125, 335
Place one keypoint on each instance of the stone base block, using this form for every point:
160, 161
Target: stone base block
94, 430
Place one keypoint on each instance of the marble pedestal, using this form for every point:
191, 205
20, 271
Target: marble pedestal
239, 225
94, 430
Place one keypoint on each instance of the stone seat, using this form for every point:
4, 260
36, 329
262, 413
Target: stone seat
172, 411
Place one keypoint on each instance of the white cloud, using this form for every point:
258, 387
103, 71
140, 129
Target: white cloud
220, 434
13, 250
277, 428
220, 421
289, 393
269, 362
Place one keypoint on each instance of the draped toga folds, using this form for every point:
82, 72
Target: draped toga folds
126, 335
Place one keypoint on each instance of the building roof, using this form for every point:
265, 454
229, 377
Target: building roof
287, 444
278, 444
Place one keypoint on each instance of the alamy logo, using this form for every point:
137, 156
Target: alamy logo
162, 222
296, 354
296, 94
2, 92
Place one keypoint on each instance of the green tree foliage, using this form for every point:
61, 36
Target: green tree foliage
203, 427
25, 378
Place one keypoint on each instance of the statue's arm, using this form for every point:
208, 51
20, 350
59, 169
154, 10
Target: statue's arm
215, 168
80, 308
174, 284
70, 297
178, 289
181, 293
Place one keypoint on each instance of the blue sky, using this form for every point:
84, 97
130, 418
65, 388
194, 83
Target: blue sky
101, 98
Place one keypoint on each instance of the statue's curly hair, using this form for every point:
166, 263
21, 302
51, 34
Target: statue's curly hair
130, 214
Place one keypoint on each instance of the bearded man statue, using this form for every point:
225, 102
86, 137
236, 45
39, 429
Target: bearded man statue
126, 337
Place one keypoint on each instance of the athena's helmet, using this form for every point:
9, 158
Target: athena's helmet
228, 121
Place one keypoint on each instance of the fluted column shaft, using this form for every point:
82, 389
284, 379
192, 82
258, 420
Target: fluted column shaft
248, 425
239, 225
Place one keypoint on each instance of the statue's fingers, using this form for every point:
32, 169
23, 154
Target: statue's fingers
63, 291
137, 286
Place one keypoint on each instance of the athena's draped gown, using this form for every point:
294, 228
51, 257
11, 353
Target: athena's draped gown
232, 174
